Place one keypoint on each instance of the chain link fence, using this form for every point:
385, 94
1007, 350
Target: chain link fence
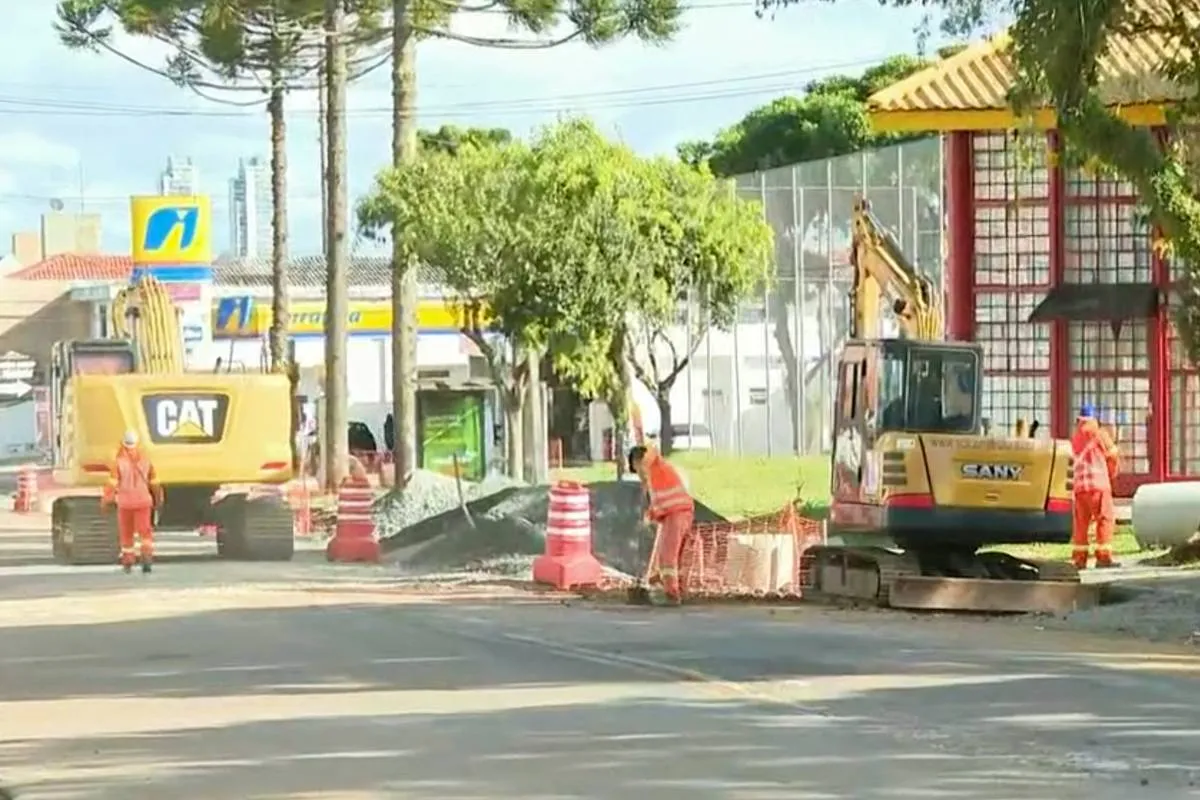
765, 387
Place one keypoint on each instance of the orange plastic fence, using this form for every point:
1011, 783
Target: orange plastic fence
759, 557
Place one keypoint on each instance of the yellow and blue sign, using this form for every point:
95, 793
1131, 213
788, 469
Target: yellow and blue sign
249, 318
171, 230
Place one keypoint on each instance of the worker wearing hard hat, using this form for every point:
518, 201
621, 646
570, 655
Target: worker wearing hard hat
1096, 460
135, 490
670, 507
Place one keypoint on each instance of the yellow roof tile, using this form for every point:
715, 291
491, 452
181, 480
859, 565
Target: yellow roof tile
979, 79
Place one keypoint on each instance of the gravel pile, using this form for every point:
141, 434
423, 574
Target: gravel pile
427, 495
506, 527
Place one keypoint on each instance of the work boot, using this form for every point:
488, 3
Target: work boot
127, 568
146, 567
1106, 565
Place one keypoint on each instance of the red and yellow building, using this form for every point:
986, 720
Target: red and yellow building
1051, 268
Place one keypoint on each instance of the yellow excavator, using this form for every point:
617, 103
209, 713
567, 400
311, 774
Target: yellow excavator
220, 442
920, 489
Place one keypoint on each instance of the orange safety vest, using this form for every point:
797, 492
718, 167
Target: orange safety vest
1095, 458
132, 480
668, 492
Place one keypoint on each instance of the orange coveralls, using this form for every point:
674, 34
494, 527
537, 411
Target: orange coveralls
672, 508
134, 487
1096, 460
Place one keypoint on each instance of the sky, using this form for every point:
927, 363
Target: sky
91, 129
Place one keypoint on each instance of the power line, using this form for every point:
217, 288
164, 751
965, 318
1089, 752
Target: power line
693, 91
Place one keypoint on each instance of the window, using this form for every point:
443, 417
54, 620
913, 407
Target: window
942, 390
891, 392
929, 389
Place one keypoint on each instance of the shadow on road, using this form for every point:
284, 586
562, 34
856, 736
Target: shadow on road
365, 700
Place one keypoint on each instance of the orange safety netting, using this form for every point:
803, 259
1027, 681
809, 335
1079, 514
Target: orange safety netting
759, 557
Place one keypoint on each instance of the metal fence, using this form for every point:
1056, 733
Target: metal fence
765, 387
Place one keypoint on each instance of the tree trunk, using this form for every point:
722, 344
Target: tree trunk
793, 365
404, 273
323, 145
666, 439
336, 255
535, 434
514, 436
620, 395
279, 231
282, 352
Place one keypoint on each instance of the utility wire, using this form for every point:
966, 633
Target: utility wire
634, 97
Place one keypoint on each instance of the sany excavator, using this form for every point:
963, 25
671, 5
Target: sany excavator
919, 488
221, 442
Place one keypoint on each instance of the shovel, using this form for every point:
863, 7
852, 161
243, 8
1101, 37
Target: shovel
639, 593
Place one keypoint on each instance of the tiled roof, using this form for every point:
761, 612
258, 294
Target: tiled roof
980, 77
77, 267
304, 272
309, 272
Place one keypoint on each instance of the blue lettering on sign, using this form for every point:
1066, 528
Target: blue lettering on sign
165, 221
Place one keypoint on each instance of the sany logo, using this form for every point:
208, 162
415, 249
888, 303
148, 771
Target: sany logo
186, 419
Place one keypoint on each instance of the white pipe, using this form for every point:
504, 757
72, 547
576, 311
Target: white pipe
1166, 514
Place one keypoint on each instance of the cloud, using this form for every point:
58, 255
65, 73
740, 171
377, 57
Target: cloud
30, 149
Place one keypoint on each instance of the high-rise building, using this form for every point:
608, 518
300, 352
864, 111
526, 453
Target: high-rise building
250, 209
180, 177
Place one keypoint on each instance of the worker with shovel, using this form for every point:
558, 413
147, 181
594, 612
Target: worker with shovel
671, 508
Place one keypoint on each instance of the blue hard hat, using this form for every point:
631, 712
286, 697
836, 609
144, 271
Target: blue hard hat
1087, 410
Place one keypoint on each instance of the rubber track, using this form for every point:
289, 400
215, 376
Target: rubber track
890, 566
88, 536
258, 529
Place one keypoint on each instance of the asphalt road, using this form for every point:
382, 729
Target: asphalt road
213, 681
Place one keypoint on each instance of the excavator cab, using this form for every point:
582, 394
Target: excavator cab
927, 387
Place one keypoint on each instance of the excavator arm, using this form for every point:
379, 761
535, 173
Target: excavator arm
882, 270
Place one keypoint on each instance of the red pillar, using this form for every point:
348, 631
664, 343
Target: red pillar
1060, 351
1160, 366
960, 230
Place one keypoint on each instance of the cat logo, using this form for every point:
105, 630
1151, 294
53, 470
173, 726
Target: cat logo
186, 418
992, 472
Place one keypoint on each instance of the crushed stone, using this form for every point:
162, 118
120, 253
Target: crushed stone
505, 527
1169, 612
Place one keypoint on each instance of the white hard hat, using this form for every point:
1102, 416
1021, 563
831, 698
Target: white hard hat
131, 439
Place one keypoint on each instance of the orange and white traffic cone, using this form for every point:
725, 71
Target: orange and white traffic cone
26, 499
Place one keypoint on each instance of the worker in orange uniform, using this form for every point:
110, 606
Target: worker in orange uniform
1096, 461
671, 508
134, 488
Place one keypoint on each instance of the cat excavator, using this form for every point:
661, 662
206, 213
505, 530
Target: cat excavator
921, 488
220, 442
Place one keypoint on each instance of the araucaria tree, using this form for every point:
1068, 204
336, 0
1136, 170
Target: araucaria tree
265, 47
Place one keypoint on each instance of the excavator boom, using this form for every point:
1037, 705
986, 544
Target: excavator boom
880, 270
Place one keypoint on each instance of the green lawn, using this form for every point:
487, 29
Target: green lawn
737, 487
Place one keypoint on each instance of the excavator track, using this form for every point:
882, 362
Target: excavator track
254, 528
985, 581
82, 534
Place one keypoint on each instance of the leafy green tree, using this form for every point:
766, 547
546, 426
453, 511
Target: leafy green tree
528, 240
534, 24
707, 248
